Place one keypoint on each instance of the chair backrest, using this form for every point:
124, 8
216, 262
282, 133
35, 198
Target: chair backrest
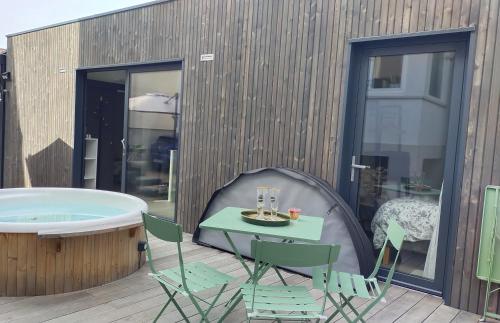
294, 255
167, 231
162, 228
395, 235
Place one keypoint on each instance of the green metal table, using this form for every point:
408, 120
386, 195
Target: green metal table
305, 229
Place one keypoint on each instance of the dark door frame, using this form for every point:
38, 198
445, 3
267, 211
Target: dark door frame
357, 47
79, 135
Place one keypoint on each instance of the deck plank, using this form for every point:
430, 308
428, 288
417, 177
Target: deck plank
138, 298
466, 317
442, 314
396, 309
421, 310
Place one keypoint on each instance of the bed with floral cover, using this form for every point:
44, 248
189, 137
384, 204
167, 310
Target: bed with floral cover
417, 216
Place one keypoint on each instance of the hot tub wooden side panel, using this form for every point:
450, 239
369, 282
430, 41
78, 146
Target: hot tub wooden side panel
31, 266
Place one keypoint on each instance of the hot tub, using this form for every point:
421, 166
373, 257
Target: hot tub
56, 240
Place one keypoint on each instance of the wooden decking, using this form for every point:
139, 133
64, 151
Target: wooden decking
137, 298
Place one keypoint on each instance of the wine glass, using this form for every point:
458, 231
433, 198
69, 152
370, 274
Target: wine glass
261, 190
273, 198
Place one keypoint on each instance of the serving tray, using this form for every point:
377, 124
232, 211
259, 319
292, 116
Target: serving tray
279, 220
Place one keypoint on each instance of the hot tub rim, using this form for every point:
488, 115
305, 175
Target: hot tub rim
67, 227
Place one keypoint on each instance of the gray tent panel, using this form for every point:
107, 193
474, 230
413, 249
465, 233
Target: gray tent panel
314, 196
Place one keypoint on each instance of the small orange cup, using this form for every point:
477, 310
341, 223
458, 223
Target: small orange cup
294, 213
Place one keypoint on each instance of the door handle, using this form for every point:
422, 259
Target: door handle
359, 166
355, 166
124, 146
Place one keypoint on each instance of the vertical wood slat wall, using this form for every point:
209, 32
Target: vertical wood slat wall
39, 118
271, 97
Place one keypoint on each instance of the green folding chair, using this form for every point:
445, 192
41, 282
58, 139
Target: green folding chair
349, 285
186, 279
283, 302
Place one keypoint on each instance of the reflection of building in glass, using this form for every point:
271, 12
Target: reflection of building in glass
409, 123
152, 137
154, 102
404, 143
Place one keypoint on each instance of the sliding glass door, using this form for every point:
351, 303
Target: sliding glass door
151, 138
130, 132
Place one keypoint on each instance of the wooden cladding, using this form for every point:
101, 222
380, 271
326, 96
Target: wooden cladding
39, 118
32, 266
272, 96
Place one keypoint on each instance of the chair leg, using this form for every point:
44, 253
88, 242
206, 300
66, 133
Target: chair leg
234, 296
162, 310
330, 297
230, 308
179, 309
347, 301
339, 309
198, 308
364, 311
280, 276
207, 311
359, 319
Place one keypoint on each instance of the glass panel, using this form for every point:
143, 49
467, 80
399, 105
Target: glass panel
404, 143
153, 139
386, 72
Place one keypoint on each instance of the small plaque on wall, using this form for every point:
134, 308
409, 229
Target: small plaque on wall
207, 57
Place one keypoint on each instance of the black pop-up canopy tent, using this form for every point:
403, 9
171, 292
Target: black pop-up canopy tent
300, 190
